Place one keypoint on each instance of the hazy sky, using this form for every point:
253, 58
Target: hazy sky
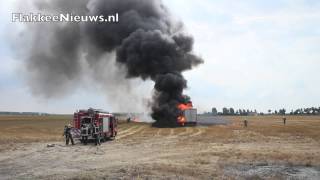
258, 55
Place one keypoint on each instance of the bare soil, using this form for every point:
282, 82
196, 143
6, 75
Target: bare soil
266, 149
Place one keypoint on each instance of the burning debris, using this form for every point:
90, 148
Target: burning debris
146, 42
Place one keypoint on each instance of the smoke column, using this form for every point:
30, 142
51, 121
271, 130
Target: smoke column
146, 43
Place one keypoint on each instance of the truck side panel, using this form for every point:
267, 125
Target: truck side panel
191, 115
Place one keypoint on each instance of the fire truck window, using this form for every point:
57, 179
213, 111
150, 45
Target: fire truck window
86, 120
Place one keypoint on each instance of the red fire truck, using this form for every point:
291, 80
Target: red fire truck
92, 122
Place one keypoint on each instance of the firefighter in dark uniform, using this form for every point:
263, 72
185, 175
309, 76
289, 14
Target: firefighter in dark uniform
96, 134
67, 134
245, 123
84, 134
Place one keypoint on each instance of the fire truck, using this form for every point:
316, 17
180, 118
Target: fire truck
92, 122
188, 114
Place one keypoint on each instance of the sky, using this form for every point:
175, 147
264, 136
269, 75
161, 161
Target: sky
258, 55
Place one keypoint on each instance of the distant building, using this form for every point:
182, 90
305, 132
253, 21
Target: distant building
253, 114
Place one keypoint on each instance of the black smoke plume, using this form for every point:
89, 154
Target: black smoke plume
146, 41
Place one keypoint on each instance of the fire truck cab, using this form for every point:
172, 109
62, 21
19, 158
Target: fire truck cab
94, 122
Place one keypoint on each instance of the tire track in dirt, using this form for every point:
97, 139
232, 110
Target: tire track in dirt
158, 133
198, 133
171, 132
178, 133
192, 132
188, 131
127, 130
131, 132
141, 133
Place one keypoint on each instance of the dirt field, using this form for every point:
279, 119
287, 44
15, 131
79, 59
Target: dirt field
266, 149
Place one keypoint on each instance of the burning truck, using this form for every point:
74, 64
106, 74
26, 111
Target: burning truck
92, 123
187, 114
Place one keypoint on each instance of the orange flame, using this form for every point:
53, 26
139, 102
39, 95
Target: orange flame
184, 106
181, 120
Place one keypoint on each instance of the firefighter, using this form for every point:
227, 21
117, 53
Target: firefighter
67, 134
284, 120
245, 123
84, 134
96, 134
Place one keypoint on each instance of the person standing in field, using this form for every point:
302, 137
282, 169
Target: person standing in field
96, 134
84, 134
284, 120
67, 134
245, 123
